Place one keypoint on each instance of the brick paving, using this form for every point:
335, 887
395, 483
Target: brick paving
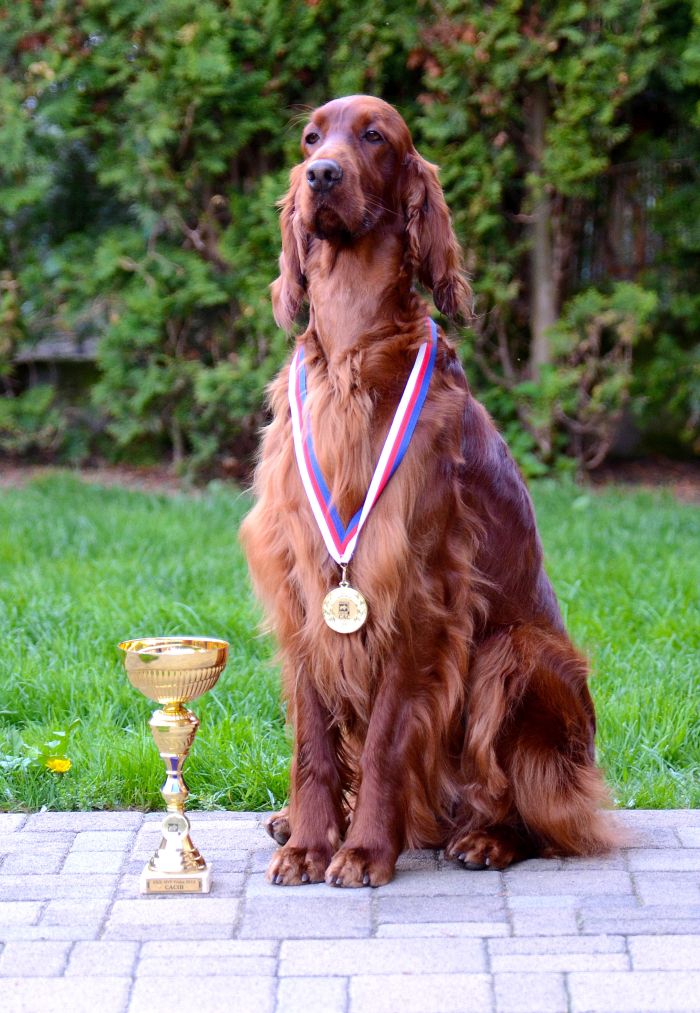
605, 935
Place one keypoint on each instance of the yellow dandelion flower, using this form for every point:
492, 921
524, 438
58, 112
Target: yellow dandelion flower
58, 764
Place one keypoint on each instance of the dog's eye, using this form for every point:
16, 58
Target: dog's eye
373, 136
311, 137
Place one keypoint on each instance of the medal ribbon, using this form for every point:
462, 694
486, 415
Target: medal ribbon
341, 541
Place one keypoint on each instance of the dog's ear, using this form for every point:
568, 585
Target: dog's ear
289, 289
432, 244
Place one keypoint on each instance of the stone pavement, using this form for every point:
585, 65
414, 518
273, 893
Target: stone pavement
615, 934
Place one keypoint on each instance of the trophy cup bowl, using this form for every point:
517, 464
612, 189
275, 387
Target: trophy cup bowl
173, 671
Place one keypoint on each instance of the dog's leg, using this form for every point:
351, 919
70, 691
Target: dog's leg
377, 830
315, 816
532, 787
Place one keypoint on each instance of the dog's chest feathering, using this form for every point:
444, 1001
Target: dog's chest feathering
398, 545
345, 423
416, 539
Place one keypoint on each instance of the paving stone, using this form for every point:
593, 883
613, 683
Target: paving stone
33, 862
133, 866
646, 923
227, 861
58, 995
203, 967
433, 925
44, 887
540, 865
41, 932
421, 993
668, 887
76, 912
530, 992
562, 962
24, 842
80, 821
655, 837
617, 860
223, 836
11, 821
537, 902
569, 881
103, 840
130, 883
642, 818
399, 930
664, 953
203, 824
417, 860
669, 860
564, 953
624, 992
439, 909
40, 959
93, 861
600, 904
234, 826
447, 882
379, 956
212, 948
231, 860
260, 858
174, 918
13, 912
561, 944
545, 922
258, 886
102, 958
226, 884
269, 918
312, 995
176, 910
219, 994
180, 931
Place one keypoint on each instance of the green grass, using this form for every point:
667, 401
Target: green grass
82, 567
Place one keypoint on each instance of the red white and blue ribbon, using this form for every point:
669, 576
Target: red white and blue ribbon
340, 540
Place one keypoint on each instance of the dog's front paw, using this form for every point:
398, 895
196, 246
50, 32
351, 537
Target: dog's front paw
495, 848
292, 866
277, 826
360, 867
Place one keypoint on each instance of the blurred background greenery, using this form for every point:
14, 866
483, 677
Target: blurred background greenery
144, 146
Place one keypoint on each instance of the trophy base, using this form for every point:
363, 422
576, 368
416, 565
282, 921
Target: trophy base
153, 881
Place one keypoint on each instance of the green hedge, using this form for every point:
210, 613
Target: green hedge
144, 147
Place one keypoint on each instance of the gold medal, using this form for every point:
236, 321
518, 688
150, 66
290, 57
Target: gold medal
344, 608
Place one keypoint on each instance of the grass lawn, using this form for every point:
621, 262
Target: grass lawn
83, 567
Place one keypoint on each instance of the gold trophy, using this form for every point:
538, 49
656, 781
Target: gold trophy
173, 670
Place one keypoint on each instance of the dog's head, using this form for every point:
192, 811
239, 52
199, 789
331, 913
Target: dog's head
360, 172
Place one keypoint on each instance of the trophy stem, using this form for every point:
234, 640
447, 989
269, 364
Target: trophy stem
177, 866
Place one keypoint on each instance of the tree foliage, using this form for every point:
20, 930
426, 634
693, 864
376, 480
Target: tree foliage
145, 146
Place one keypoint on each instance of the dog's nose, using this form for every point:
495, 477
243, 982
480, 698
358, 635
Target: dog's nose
323, 174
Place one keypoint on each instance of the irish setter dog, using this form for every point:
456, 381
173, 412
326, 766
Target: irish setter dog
459, 715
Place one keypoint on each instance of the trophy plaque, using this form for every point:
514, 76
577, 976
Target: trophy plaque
172, 671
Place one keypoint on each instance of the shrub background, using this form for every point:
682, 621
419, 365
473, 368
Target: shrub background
144, 147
